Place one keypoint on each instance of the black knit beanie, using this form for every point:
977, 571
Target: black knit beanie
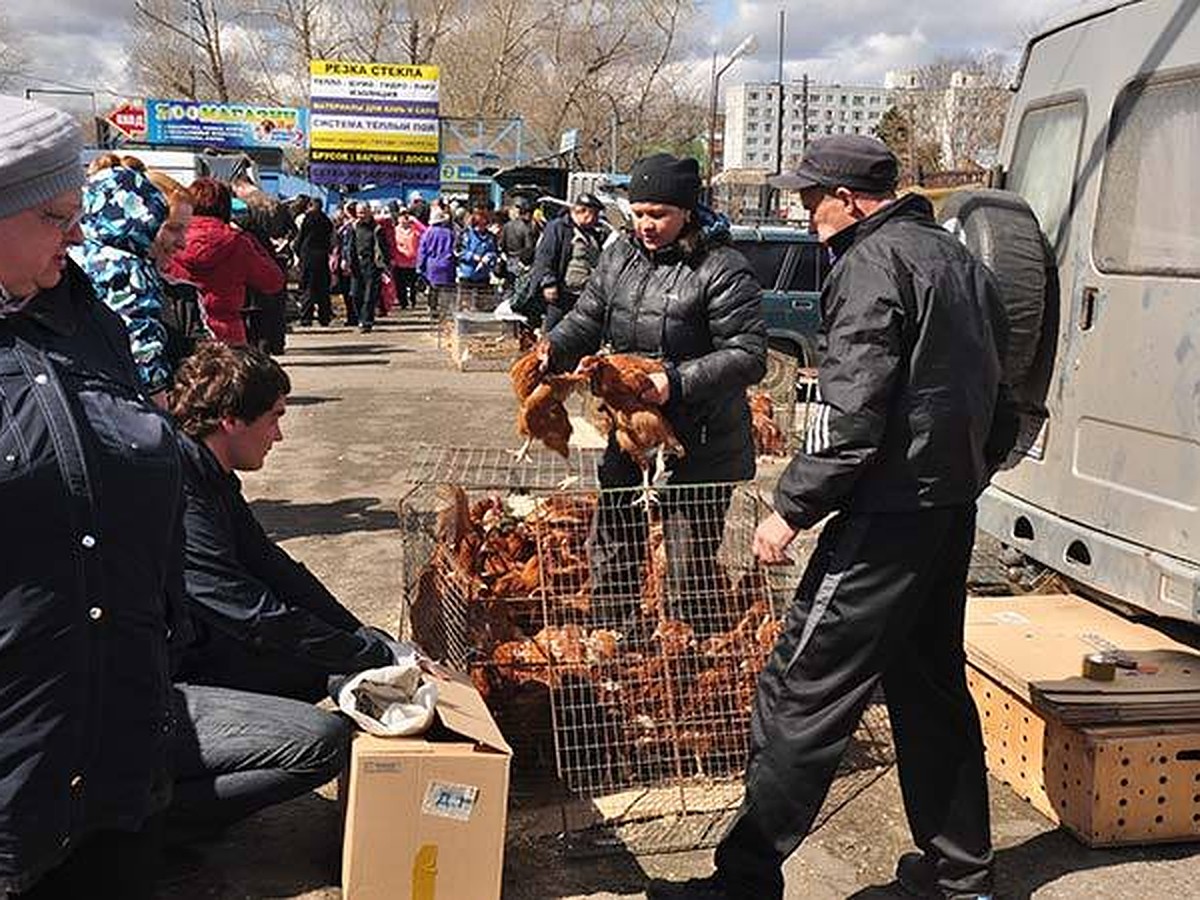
662, 178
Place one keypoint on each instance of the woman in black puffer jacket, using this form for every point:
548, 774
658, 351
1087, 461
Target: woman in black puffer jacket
677, 291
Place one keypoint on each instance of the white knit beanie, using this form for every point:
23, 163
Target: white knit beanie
39, 154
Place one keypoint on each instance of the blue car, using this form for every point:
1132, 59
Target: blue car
791, 265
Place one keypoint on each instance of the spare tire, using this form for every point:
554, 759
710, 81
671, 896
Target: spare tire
1002, 231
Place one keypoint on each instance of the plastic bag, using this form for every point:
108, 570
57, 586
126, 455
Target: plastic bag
392, 701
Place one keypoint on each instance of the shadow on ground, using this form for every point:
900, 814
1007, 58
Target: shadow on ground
313, 363
311, 400
1023, 869
545, 869
282, 519
305, 832
353, 350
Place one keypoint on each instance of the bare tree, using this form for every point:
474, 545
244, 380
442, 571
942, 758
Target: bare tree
959, 104
168, 31
596, 65
12, 58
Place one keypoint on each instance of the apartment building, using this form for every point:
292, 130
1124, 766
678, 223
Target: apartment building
752, 120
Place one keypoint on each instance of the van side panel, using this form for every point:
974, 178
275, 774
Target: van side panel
1117, 488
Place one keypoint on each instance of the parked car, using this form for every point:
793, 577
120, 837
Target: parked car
791, 266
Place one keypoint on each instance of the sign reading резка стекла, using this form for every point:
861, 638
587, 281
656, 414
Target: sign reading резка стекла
372, 123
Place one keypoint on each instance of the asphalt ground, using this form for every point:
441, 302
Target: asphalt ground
328, 493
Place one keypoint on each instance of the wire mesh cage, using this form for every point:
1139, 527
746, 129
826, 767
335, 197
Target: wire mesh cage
782, 412
465, 297
617, 635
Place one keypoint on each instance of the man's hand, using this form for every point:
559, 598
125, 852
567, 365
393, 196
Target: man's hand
771, 540
659, 391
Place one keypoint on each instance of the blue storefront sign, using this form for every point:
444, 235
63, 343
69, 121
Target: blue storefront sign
231, 126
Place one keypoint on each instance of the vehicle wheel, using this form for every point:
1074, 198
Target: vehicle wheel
1001, 229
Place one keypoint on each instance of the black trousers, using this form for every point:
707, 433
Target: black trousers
315, 286
406, 287
107, 865
882, 601
693, 523
365, 288
556, 310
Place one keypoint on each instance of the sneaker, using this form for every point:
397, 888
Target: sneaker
709, 888
365, 328
916, 877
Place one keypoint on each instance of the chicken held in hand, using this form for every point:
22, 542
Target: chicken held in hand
542, 415
623, 384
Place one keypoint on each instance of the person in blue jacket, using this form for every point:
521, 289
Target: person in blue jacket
476, 252
435, 257
123, 212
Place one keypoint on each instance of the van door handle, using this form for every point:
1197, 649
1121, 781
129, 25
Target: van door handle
1087, 307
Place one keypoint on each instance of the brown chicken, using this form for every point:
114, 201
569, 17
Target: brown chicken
541, 415
621, 381
768, 437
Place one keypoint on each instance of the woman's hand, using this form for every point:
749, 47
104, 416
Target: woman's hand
659, 391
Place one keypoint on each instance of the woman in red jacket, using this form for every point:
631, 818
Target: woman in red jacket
223, 261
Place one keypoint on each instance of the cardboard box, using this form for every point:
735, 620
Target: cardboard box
425, 818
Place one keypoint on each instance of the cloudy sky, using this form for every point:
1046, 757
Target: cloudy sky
82, 42
857, 41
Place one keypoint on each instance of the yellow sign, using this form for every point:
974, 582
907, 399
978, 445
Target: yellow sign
357, 140
383, 71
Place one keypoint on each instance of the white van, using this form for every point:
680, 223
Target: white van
1103, 142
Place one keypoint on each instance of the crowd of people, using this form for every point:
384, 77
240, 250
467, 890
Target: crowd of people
377, 257
160, 655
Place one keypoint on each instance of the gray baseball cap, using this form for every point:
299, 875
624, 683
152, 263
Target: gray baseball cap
852, 161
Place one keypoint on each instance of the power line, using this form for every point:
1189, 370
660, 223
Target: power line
58, 82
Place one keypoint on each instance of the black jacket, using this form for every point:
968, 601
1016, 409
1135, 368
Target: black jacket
90, 546
315, 238
369, 255
697, 306
553, 252
913, 331
264, 623
518, 241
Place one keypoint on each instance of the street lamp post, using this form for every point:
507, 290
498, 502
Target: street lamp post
745, 48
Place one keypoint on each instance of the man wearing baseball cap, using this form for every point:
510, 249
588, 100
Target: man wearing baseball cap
911, 340
566, 254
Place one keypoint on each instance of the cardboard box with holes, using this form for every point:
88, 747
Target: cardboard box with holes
1094, 719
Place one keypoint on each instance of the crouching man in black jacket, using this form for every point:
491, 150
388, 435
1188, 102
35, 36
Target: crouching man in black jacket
264, 622
912, 337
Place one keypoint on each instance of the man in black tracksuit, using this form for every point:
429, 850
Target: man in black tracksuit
912, 337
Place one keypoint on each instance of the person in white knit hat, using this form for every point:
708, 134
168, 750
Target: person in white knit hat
89, 548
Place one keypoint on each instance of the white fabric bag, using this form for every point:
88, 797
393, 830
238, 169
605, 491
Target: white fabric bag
392, 701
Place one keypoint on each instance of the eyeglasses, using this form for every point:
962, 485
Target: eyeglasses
63, 223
